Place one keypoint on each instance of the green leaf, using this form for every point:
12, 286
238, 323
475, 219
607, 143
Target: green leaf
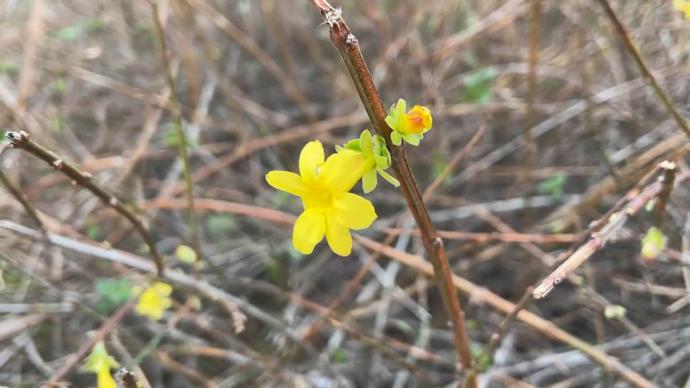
220, 225
274, 271
76, 31
171, 137
338, 356
653, 243
553, 186
94, 232
58, 86
112, 293
478, 86
7, 67
57, 123
185, 254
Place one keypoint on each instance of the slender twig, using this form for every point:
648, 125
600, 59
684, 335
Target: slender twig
348, 48
685, 258
252, 48
21, 140
21, 198
505, 324
644, 69
660, 204
532, 62
454, 162
495, 236
611, 225
182, 142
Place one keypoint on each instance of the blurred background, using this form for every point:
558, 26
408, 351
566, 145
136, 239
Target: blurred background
528, 156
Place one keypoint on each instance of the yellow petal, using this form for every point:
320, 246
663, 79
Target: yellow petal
285, 181
308, 231
310, 159
105, 379
354, 211
155, 300
342, 170
419, 120
338, 237
163, 289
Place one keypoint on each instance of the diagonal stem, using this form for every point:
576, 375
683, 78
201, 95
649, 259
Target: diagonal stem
183, 142
21, 140
348, 48
644, 69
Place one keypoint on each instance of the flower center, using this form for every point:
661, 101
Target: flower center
317, 196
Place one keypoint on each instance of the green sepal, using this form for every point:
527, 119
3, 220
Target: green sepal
369, 181
388, 177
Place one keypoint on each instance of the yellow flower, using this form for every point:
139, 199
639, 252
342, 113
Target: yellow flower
409, 126
100, 363
154, 300
329, 209
683, 6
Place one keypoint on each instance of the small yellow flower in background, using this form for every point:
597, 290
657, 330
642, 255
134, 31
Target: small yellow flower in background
329, 208
154, 300
376, 159
100, 363
682, 6
409, 126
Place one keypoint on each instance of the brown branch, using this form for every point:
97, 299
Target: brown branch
685, 258
21, 198
667, 183
533, 63
611, 224
21, 140
182, 145
353, 284
644, 69
348, 48
505, 324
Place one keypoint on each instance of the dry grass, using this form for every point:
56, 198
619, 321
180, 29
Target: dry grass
255, 80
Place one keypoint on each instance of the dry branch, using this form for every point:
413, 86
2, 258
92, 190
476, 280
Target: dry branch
611, 225
21, 140
348, 47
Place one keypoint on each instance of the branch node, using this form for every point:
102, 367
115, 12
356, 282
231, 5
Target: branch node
351, 40
58, 163
333, 16
17, 138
